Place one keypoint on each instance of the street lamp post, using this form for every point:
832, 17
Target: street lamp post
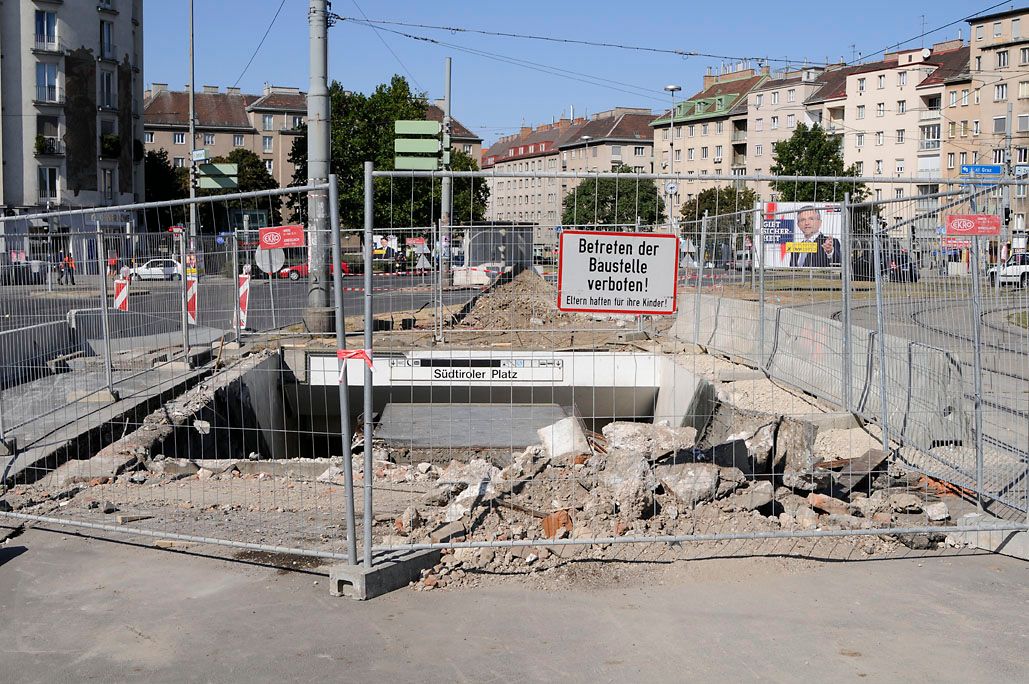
673, 89
586, 152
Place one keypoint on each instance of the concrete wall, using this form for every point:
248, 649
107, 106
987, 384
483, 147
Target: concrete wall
24, 352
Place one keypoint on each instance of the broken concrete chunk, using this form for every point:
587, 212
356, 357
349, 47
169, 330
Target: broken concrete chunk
828, 504
102, 465
692, 483
856, 471
794, 446
631, 482
173, 467
555, 522
752, 434
332, 475
452, 531
409, 520
757, 495
729, 480
564, 440
108, 507
905, 502
937, 512
204, 474
649, 441
806, 518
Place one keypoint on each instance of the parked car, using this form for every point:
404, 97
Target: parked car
742, 261
1015, 271
157, 269
302, 270
896, 265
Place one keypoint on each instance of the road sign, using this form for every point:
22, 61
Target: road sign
417, 146
432, 146
972, 225
982, 169
218, 176
416, 163
199, 155
630, 273
270, 260
417, 127
278, 237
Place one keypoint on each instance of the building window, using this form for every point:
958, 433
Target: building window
1016, 28
46, 82
678, 155
718, 126
900, 135
996, 29
976, 95
703, 129
298, 121
689, 154
179, 162
758, 99
718, 152
106, 40
951, 129
963, 157
703, 153
664, 134
976, 130
208, 138
107, 183
269, 165
46, 30
107, 90
860, 111
902, 106
639, 151
1023, 55
998, 156
882, 81
964, 129
880, 138
1000, 124
880, 109
148, 137
861, 85
950, 160
902, 78
1023, 123
48, 188
791, 95
775, 123
878, 167
979, 32
179, 138
859, 139
953, 98
1002, 59
267, 122
964, 97
266, 143
759, 150
878, 195
759, 124
775, 97
791, 120
859, 168
899, 166
1021, 155
237, 140
1000, 92
1023, 90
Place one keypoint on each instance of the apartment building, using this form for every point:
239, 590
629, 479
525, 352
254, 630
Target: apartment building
265, 124
707, 132
71, 94
461, 138
527, 199
999, 73
609, 140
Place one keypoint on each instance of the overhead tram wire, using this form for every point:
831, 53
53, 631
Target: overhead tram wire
260, 44
388, 47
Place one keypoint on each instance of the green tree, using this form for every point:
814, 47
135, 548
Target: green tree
613, 201
729, 210
813, 152
362, 130
161, 182
252, 176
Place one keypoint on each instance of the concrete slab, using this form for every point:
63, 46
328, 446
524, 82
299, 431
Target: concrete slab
1006, 542
838, 420
442, 425
390, 571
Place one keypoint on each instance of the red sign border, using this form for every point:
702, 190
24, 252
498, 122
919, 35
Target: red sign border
994, 227
606, 233
284, 244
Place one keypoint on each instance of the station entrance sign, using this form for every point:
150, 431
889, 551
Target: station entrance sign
621, 273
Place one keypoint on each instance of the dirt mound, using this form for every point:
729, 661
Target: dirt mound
525, 301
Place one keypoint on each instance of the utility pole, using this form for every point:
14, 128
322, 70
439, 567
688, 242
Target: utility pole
1009, 172
447, 189
192, 138
318, 316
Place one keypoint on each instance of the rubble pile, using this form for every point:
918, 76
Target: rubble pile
753, 474
525, 301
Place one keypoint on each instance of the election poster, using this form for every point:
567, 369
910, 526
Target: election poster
800, 234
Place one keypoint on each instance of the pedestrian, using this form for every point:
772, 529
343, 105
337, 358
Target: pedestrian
69, 268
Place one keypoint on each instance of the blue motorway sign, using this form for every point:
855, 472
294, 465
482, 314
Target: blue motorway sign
982, 169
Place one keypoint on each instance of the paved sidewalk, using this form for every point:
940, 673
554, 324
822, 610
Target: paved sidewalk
79, 609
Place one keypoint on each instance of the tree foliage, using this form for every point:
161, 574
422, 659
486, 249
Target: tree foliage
252, 176
729, 210
613, 201
161, 182
813, 152
362, 130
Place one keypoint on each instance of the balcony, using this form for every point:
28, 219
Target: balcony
48, 146
107, 101
109, 52
110, 146
928, 145
49, 94
49, 195
44, 43
930, 115
739, 136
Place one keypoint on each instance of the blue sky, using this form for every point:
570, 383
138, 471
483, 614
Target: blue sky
493, 96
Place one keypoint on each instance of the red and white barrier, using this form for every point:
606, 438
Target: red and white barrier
121, 295
243, 300
191, 300
344, 354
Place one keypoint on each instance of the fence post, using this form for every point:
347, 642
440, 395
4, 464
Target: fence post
235, 287
104, 315
880, 334
977, 371
344, 385
185, 294
761, 279
846, 280
700, 279
369, 398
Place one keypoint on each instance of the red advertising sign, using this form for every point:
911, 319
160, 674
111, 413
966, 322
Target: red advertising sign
972, 225
278, 237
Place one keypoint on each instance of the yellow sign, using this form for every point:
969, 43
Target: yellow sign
801, 247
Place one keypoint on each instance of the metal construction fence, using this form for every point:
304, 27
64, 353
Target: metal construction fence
833, 368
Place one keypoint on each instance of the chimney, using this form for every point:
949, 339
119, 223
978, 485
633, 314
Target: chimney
524, 131
210, 89
159, 87
709, 78
232, 91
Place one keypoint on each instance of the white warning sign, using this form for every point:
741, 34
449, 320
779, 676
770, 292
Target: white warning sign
632, 273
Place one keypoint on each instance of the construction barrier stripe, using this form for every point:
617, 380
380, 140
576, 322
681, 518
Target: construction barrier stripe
121, 295
344, 354
191, 300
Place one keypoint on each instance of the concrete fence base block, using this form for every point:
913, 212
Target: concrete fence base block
97, 396
837, 420
1005, 542
393, 570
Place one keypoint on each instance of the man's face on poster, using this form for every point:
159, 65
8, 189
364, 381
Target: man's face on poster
810, 222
